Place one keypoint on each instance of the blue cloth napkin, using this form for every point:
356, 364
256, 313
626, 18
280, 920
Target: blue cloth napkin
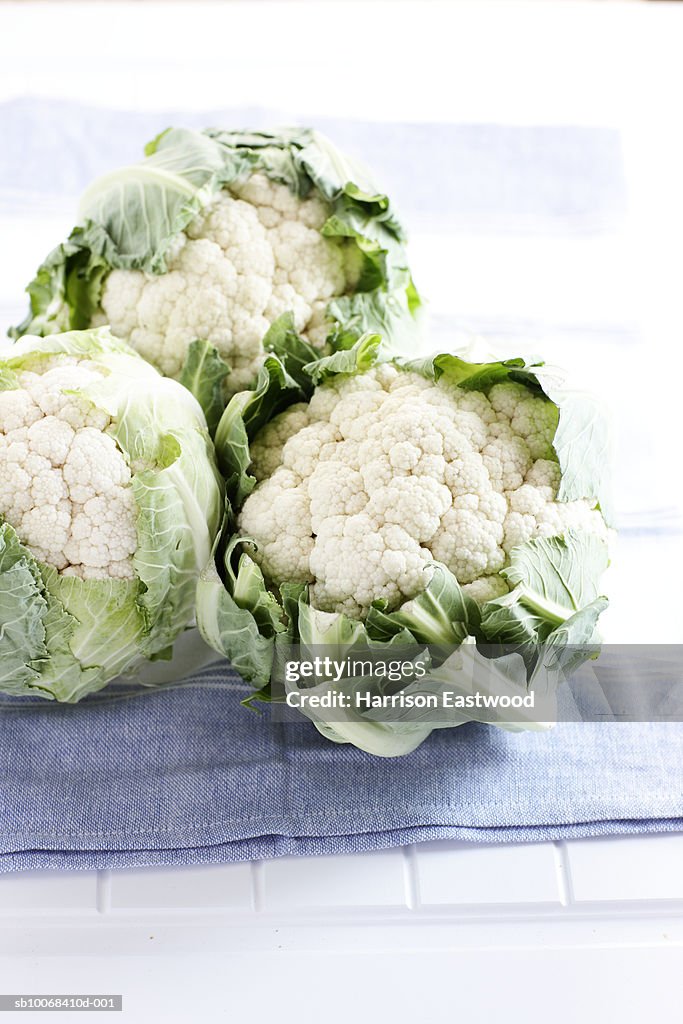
184, 774
446, 176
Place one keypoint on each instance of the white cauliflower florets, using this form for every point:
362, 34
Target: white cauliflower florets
254, 253
65, 486
385, 472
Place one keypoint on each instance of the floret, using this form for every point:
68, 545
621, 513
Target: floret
253, 254
65, 486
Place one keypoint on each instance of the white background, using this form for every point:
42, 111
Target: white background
588, 930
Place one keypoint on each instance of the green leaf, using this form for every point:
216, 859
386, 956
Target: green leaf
61, 637
179, 509
563, 571
441, 614
295, 354
9, 381
23, 610
249, 590
318, 628
65, 293
244, 416
382, 739
143, 207
476, 376
583, 443
236, 614
95, 630
361, 357
553, 578
386, 313
232, 630
577, 639
99, 345
468, 671
291, 595
204, 374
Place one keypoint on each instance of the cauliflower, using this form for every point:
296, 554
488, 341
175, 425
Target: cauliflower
109, 504
214, 237
386, 472
447, 512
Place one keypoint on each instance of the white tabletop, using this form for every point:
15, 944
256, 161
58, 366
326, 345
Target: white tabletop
590, 929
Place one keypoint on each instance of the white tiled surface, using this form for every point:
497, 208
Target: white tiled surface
170, 888
40, 892
359, 880
588, 930
552, 880
455, 874
633, 868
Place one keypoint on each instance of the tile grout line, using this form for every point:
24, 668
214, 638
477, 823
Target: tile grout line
103, 892
258, 886
410, 877
563, 873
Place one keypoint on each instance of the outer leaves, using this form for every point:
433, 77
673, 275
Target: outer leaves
179, 499
203, 374
360, 357
249, 591
474, 376
99, 345
232, 630
375, 312
246, 413
23, 608
383, 739
284, 341
61, 637
95, 630
553, 579
441, 614
562, 571
237, 615
468, 671
143, 208
583, 444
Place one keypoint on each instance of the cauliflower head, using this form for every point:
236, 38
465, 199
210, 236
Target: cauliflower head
214, 237
110, 501
381, 474
451, 512
443, 511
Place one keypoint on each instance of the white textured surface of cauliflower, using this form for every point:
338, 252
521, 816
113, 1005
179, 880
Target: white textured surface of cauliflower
65, 486
386, 471
254, 253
